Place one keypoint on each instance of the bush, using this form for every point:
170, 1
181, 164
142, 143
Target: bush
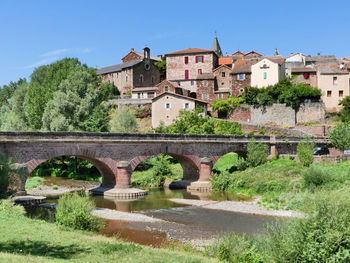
227, 128
305, 152
74, 211
124, 121
4, 175
340, 136
257, 153
7, 207
316, 176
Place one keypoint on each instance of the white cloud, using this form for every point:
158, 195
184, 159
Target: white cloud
56, 52
41, 62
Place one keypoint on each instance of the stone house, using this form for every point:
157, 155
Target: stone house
184, 66
267, 71
135, 55
241, 75
222, 75
334, 84
172, 87
132, 74
206, 86
304, 75
166, 107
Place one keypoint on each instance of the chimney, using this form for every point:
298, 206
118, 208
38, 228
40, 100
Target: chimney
132, 49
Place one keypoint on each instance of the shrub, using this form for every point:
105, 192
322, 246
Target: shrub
257, 153
227, 127
74, 211
4, 175
7, 207
340, 136
316, 176
305, 152
124, 121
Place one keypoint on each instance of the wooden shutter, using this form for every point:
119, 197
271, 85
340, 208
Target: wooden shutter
186, 74
186, 60
196, 59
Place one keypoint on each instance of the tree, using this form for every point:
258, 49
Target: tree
340, 136
162, 68
124, 121
257, 153
345, 111
227, 127
305, 152
45, 81
73, 103
225, 107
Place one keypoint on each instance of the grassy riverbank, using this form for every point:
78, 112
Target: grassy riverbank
285, 183
26, 240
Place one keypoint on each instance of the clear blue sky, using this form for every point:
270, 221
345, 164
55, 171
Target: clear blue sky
100, 33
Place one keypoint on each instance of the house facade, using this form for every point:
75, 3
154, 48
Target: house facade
166, 107
222, 75
268, 71
132, 74
184, 66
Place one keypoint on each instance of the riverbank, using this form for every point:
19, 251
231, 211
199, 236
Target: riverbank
27, 240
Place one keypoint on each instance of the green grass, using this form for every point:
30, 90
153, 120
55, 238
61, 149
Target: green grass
33, 182
284, 183
27, 240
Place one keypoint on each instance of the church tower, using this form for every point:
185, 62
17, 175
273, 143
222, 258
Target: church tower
216, 47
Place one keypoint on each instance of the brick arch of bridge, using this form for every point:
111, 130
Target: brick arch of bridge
190, 163
106, 166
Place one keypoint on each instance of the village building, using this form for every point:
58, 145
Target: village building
166, 107
135, 55
206, 86
222, 75
334, 84
241, 75
172, 87
134, 76
268, 71
184, 66
305, 75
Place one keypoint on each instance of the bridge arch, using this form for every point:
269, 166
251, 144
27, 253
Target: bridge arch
106, 166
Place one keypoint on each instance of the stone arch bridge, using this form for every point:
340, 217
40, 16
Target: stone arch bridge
117, 155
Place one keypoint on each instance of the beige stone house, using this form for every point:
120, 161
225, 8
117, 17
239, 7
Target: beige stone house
267, 71
135, 74
334, 84
166, 107
223, 85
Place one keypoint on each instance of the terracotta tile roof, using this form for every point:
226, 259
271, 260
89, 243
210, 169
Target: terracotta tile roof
303, 70
252, 52
178, 95
190, 51
206, 76
347, 58
226, 60
244, 65
330, 69
276, 59
171, 83
237, 53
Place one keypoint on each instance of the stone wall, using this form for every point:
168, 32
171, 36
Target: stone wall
279, 114
311, 112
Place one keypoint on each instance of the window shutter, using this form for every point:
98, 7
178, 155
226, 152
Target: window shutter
196, 59
186, 60
186, 74
202, 58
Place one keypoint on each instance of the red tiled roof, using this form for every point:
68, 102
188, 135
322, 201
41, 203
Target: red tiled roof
237, 53
222, 66
302, 70
190, 51
206, 76
252, 52
181, 96
243, 65
227, 60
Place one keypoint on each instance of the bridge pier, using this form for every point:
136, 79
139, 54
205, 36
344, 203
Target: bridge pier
203, 183
123, 175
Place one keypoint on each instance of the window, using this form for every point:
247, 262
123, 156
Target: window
335, 80
186, 74
200, 71
341, 93
199, 59
241, 76
167, 105
205, 83
110, 75
141, 78
222, 83
179, 83
223, 74
192, 82
186, 60
265, 75
220, 96
186, 106
166, 88
204, 96
152, 79
329, 93
139, 95
117, 74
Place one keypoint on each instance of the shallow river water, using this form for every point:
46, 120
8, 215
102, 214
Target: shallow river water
181, 222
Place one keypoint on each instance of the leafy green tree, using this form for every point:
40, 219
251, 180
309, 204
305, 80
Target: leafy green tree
11, 121
98, 121
45, 80
73, 103
340, 136
7, 91
124, 121
225, 107
257, 153
162, 68
305, 152
345, 111
227, 127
